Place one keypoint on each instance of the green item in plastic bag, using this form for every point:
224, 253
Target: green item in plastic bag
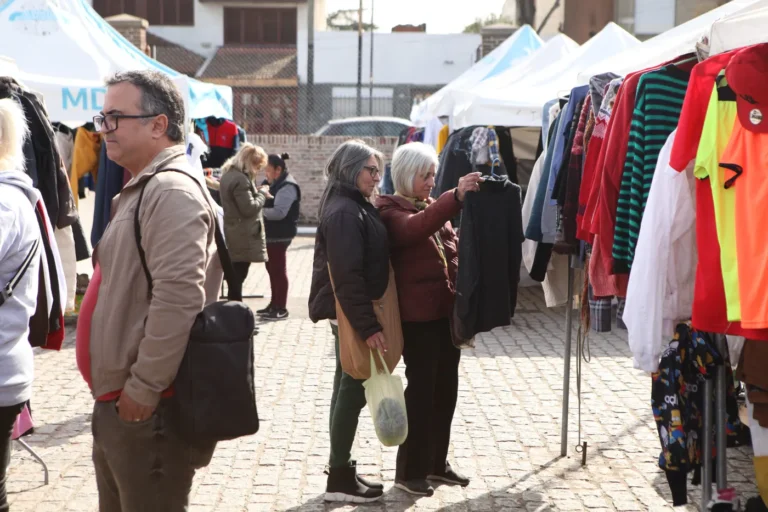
386, 401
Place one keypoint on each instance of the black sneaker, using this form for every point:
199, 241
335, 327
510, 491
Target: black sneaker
275, 314
364, 481
265, 311
449, 476
415, 487
344, 487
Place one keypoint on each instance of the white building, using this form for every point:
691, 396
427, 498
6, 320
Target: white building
260, 48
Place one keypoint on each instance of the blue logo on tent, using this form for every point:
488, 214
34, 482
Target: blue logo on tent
85, 98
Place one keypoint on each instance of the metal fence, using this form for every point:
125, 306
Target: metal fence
301, 110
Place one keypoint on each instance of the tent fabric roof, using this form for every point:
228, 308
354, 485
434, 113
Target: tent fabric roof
519, 45
743, 28
521, 102
81, 50
664, 47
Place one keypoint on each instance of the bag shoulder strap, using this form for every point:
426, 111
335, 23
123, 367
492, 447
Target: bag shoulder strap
7, 292
221, 246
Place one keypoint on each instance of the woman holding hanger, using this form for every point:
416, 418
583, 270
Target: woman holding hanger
424, 252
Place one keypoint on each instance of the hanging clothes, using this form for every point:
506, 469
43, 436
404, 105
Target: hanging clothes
442, 138
85, 157
677, 400
223, 136
44, 164
109, 185
660, 291
490, 249
455, 161
660, 96
432, 132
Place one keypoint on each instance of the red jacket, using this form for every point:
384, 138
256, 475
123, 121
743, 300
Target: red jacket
425, 287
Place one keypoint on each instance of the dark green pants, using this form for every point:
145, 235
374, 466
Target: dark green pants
347, 401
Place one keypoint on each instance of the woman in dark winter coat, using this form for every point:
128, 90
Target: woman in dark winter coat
352, 241
425, 258
243, 205
281, 219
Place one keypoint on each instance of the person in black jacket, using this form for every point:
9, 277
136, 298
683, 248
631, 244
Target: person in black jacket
352, 241
281, 221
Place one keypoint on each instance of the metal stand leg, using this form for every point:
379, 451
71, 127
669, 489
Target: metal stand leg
720, 417
567, 365
36, 456
706, 448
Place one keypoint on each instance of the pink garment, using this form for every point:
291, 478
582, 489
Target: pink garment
83, 341
23, 423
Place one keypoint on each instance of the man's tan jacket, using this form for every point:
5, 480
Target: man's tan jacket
137, 343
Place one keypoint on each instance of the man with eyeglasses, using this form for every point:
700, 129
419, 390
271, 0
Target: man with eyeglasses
130, 341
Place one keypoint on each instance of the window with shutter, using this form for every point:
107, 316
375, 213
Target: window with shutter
247, 25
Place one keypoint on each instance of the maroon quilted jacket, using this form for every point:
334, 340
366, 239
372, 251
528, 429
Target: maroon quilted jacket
425, 286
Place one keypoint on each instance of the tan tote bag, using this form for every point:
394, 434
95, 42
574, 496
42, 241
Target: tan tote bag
354, 352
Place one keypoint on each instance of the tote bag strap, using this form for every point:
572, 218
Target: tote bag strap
221, 246
7, 292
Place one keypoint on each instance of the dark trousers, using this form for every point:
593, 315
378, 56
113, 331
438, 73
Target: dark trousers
145, 466
432, 369
277, 268
7, 419
347, 400
241, 272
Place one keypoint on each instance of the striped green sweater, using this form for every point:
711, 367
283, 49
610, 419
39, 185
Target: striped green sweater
660, 96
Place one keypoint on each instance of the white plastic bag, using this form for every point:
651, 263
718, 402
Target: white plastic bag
386, 401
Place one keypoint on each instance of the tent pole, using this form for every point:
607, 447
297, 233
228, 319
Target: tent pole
567, 364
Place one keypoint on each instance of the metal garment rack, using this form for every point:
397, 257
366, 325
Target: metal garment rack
35, 455
718, 387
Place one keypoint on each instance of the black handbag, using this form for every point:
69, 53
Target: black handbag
214, 393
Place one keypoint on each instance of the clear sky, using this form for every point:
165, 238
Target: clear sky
441, 16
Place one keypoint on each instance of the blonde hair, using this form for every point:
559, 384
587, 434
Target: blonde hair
409, 161
13, 133
249, 160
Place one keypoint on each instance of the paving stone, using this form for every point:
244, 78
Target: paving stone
506, 432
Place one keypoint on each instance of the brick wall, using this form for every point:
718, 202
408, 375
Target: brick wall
309, 154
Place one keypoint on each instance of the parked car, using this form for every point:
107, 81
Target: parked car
365, 127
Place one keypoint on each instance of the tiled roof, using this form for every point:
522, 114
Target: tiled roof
175, 56
253, 65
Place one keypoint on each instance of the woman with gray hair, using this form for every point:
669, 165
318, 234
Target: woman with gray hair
424, 253
351, 241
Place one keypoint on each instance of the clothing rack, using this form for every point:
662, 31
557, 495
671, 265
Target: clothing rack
716, 387
721, 470
36, 457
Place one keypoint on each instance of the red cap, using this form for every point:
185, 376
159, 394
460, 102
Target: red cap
747, 75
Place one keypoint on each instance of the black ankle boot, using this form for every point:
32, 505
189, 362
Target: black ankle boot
344, 487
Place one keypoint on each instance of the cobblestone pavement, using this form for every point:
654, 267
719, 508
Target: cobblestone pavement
506, 434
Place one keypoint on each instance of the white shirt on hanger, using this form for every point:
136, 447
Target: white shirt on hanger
660, 290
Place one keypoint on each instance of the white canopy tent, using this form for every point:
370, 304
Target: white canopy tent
559, 49
520, 104
664, 47
64, 50
743, 28
519, 45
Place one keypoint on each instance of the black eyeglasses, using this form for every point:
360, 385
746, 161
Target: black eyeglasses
109, 122
373, 170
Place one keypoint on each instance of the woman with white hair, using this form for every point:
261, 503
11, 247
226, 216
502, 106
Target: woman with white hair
352, 242
24, 272
424, 254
